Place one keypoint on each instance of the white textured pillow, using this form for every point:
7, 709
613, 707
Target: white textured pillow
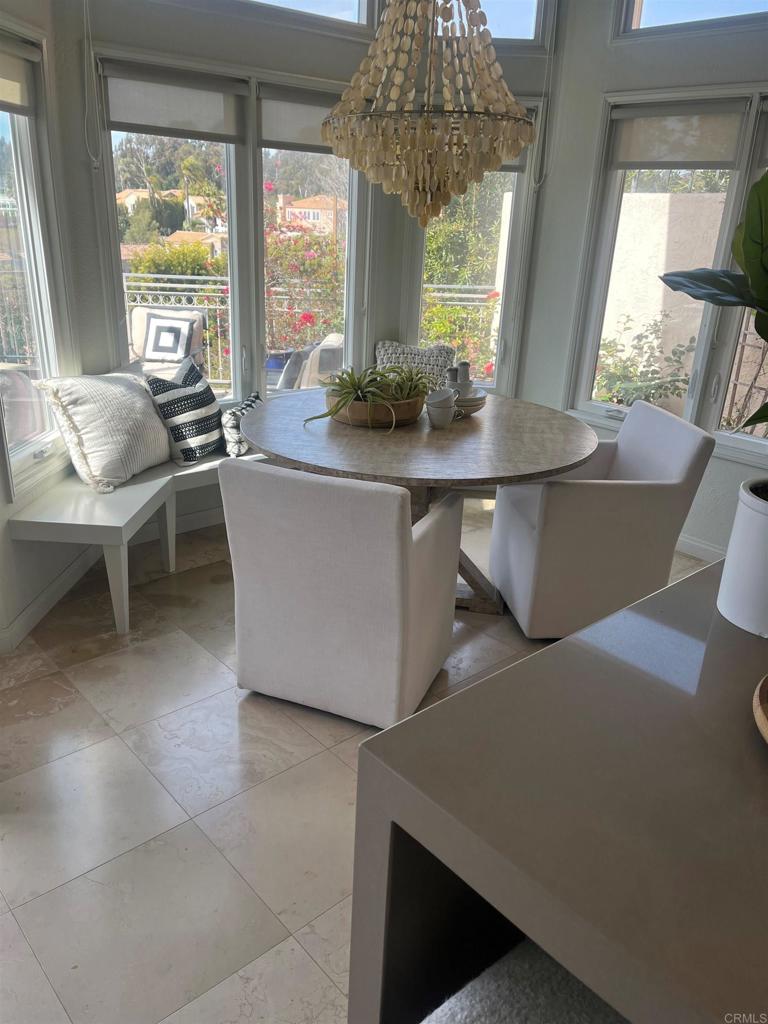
109, 425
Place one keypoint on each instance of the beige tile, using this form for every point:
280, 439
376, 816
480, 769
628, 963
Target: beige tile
26, 996
471, 653
68, 816
443, 687
326, 939
683, 565
329, 729
195, 597
150, 679
78, 630
283, 986
220, 746
139, 937
4, 908
347, 750
217, 637
501, 627
42, 720
292, 837
28, 661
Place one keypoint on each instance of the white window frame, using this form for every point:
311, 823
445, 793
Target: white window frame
518, 263
246, 225
30, 465
718, 332
622, 31
286, 17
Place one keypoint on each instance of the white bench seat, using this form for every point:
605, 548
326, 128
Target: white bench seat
72, 513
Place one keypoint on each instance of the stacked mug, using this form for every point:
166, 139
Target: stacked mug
441, 408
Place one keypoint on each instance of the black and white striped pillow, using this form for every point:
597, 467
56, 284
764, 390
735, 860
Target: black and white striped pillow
191, 413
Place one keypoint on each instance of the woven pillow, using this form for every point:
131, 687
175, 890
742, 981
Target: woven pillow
191, 413
434, 360
230, 423
109, 425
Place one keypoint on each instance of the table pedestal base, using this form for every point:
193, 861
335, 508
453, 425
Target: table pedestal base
476, 593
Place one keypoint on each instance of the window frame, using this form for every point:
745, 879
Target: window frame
27, 467
719, 328
622, 31
246, 225
518, 268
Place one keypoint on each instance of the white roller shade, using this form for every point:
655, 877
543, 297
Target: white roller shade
16, 78
293, 120
157, 102
677, 137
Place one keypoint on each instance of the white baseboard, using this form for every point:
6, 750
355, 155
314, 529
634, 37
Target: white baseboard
699, 549
12, 635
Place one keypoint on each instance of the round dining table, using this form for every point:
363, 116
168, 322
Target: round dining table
509, 441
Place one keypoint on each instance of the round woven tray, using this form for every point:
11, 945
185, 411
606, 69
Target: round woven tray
760, 708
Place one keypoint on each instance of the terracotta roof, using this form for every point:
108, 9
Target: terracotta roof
319, 203
192, 236
130, 249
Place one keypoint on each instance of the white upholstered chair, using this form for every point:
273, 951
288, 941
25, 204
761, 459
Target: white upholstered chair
580, 546
339, 603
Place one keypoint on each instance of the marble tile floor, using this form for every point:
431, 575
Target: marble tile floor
174, 849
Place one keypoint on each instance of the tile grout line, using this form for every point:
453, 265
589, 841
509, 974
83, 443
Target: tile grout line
295, 935
39, 961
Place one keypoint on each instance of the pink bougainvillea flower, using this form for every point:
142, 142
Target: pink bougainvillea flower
269, 186
294, 267
310, 254
225, 351
225, 290
308, 319
488, 369
493, 295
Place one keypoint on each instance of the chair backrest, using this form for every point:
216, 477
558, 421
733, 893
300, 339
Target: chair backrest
321, 567
653, 444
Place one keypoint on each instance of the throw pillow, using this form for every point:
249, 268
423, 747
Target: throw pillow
434, 360
230, 424
165, 334
191, 413
109, 425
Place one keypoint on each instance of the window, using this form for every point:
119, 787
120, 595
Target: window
343, 10
654, 13
27, 344
471, 281
511, 19
666, 194
306, 214
174, 150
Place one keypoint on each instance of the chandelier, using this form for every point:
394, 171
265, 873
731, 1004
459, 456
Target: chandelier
428, 110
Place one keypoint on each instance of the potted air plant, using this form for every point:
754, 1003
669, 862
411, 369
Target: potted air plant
390, 396
743, 597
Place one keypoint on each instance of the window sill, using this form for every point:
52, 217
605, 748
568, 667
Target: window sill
30, 476
750, 451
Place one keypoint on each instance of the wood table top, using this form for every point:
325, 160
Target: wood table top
509, 441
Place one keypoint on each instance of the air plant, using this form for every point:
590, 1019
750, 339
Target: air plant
375, 386
728, 288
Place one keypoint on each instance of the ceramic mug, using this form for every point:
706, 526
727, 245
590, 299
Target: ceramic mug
445, 398
442, 416
465, 388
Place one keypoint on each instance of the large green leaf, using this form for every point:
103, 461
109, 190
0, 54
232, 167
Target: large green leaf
720, 287
761, 416
755, 240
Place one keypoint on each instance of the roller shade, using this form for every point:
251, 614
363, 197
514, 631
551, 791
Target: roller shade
677, 136
161, 102
291, 119
16, 75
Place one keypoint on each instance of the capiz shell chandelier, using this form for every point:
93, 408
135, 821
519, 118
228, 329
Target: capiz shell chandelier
428, 110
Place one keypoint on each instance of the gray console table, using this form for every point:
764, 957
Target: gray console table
606, 797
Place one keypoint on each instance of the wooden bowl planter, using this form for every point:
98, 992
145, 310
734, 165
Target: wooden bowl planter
361, 414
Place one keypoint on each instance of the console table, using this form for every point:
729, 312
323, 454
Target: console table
606, 797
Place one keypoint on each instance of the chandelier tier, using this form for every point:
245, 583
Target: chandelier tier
428, 110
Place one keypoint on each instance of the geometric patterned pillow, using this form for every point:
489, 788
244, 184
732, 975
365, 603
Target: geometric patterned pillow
230, 424
434, 361
191, 413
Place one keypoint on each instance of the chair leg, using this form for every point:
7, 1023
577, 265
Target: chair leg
116, 557
166, 516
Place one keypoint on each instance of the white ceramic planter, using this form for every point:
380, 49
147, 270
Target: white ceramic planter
743, 597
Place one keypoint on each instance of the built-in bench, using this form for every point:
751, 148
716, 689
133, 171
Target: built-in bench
73, 513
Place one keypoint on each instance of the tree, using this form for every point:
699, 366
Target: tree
142, 227
305, 174
7, 175
123, 220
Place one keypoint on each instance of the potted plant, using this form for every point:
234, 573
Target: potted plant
390, 396
743, 597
